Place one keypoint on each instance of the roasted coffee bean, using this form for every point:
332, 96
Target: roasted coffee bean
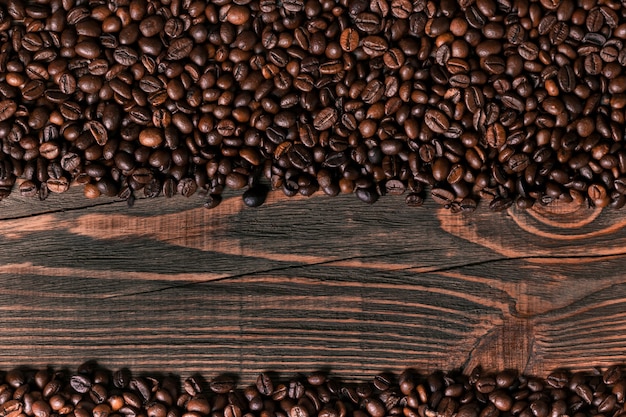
70, 161
264, 385
90, 84
80, 383
98, 131
212, 201
254, 197
151, 26
67, 83
7, 109
436, 121
325, 119
125, 56
501, 402
367, 195
57, 185
186, 187
33, 90
28, 189
442, 196
179, 49
349, 39
151, 137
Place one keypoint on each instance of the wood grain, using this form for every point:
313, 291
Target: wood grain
308, 283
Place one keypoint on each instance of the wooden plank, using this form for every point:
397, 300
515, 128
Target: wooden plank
308, 283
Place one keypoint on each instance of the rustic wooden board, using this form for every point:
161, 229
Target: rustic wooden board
305, 284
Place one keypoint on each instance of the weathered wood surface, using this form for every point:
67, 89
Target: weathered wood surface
305, 284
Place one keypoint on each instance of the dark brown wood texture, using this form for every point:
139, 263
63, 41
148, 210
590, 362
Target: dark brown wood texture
305, 284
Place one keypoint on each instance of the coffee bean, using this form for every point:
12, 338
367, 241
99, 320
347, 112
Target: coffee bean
528, 50
70, 161
151, 137
493, 64
394, 58
264, 385
28, 189
67, 83
367, 195
98, 132
395, 187
58, 185
186, 187
414, 200
593, 64
436, 121
442, 196
325, 119
33, 90
236, 180
254, 197
349, 39
331, 67
125, 56
500, 204
374, 46
179, 49
612, 375
151, 26
7, 109
566, 79
80, 383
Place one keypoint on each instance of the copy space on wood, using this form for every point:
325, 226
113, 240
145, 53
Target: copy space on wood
308, 283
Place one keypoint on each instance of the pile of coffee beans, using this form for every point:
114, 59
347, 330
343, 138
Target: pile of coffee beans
96, 392
513, 101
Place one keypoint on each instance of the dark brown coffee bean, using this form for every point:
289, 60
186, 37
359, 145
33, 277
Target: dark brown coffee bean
179, 49
98, 131
80, 383
436, 121
593, 64
70, 161
501, 401
151, 137
414, 200
331, 67
33, 90
151, 26
395, 187
566, 78
528, 50
67, 83
7, 109
236, 180
125, 56
255, 196
442, 196
264, 385
374, 46
493, 64
325, 119
612, 373
349, 39
57, 185
394, 58
186, 187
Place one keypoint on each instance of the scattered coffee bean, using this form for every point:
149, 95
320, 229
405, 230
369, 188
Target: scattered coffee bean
515, 104
45, 392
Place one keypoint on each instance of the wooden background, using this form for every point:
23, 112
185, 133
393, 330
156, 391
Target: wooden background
306, 284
